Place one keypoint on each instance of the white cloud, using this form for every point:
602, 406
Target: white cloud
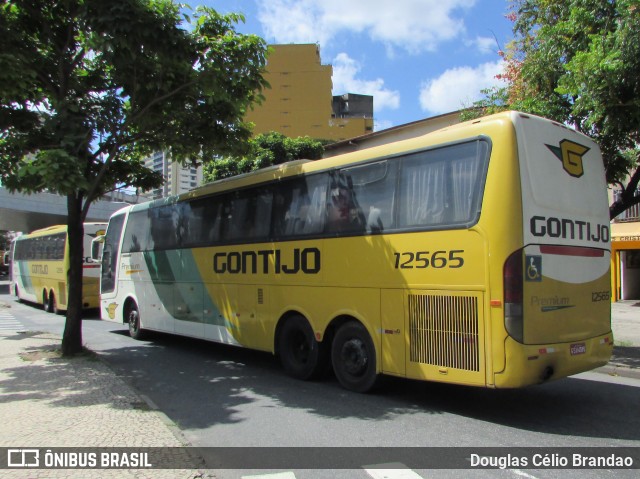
413, 25
485, 45
345, 71
458, 87
379, 125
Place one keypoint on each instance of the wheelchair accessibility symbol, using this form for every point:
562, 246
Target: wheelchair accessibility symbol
533, 268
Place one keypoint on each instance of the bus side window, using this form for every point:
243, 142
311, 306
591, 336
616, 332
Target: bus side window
344, 213
443, 187
372, 187
203, 218
136, 236
299, 207
164, 228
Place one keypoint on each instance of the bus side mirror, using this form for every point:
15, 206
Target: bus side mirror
96, 248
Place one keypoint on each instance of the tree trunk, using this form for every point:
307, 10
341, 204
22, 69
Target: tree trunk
628, 198
72, 336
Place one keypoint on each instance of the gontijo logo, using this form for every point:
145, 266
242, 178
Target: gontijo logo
570, 154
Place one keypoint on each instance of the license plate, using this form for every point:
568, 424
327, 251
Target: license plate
579, 348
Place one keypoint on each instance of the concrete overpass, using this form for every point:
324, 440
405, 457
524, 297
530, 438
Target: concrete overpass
20, 212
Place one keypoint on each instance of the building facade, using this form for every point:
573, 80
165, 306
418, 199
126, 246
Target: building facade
625, 254
178, 178
300, 100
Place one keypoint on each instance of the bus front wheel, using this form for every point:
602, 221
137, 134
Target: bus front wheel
301, 355
353, 356
133, 318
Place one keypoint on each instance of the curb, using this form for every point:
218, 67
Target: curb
620, 370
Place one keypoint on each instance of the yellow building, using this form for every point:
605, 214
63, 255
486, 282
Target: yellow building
300, 102
625, 254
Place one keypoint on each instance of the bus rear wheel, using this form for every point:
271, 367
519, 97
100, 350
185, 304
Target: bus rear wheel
302, 357
133, 318
353, 356
52, 304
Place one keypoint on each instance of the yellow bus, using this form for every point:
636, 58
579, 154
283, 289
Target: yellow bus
40, 263
477, 254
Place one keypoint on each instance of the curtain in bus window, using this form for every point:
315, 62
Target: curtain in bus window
464, 185
442, 187
314, 220
423, 193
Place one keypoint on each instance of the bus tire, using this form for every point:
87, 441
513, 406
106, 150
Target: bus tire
52, 305
132, 316
45, 301
353, 356
302, 357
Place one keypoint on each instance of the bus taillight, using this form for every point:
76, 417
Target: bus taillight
513, 296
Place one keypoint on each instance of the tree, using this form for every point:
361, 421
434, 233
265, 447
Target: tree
578, 62
266, 149
88, 88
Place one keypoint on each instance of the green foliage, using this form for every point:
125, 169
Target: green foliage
264, 150
88, 88
578, 62
495, 100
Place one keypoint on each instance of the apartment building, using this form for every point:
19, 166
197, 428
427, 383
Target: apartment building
178, 178
300, 101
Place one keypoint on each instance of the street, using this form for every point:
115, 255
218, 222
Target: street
224, 396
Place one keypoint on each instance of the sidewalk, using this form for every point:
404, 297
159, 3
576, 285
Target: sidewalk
625, 322
47, 401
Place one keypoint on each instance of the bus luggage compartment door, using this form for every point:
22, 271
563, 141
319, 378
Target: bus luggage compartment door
445, 336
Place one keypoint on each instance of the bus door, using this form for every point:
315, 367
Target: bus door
109, 271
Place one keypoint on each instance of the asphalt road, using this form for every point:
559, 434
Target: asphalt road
224, 396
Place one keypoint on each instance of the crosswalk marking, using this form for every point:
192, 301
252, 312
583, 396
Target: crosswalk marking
377, 471
277, 475
8, 322
391, 471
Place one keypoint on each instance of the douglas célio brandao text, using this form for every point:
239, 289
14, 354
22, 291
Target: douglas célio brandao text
547, 460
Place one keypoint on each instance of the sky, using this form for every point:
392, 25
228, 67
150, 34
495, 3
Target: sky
417, 58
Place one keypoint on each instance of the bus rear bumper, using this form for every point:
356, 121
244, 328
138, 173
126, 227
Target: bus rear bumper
536, 364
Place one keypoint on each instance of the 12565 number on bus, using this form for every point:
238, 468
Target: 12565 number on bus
426, 259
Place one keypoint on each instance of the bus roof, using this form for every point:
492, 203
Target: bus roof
45, 231
299, 167
55, 229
